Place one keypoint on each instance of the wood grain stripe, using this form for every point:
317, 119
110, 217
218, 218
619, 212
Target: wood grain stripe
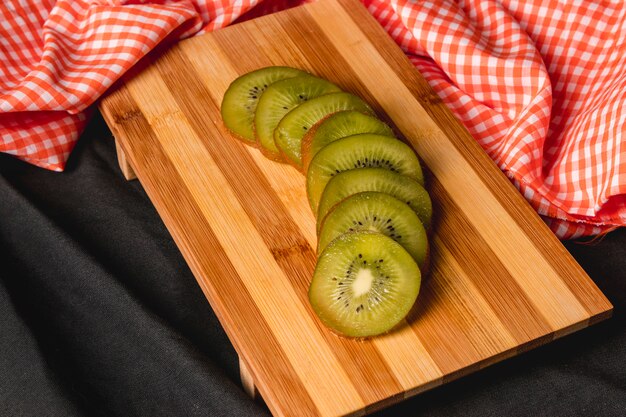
490, 276
219, 281
311, 41
315, 39
506, 238
264, 209
470, 322
402, 347
500, 282
316, 44
284, 180
442, 328
485, 329
269, 288
269, 29
290, 186
261, 34
508, 196
288, 246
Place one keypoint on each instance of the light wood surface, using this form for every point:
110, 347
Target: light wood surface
247, 381
125, 167
500, 282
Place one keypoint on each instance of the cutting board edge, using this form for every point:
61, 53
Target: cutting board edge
204, 284
387, 402
121, 139
493, 360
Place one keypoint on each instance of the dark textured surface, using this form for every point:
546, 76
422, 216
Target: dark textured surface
99, 315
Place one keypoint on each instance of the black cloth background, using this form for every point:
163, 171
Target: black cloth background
100, 316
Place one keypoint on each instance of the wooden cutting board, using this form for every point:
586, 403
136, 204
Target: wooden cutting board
500, 282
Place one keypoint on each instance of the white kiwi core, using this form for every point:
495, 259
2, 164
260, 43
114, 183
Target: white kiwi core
362, 282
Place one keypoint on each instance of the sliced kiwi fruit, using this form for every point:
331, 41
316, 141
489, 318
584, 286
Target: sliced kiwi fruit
241, 98
278, 100
377, 212
355, 181
337, 126
290, 130
364, 284
360, 151
364, 185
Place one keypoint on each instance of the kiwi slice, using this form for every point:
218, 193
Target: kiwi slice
359, 151
364, 284
337, 126
290, 130
377, 212
355, 181
241, 98
278, 100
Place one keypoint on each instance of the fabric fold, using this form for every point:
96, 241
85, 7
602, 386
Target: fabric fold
540, 85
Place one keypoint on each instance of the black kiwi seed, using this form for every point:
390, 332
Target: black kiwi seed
240, 100
359, 152
370, 302
394, 219
340, 125
288, 136
278, 100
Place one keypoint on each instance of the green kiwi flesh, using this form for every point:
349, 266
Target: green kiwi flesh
356, 152
354, 181
377, 212
281, 97
241, 98
340, 125
364, 284
290, 130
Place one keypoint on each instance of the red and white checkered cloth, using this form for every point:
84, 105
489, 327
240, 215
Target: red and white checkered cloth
540, 84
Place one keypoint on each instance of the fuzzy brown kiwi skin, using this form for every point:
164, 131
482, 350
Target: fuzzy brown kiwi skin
305, 147
283, 157
272, 157
425, 269
256, 144
398, 326
302, 169
307, 141
237, 137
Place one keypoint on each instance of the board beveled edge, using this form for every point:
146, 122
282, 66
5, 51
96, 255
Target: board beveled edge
455, 375
121, 139
493, 360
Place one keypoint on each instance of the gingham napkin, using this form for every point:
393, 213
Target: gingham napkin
540, 84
